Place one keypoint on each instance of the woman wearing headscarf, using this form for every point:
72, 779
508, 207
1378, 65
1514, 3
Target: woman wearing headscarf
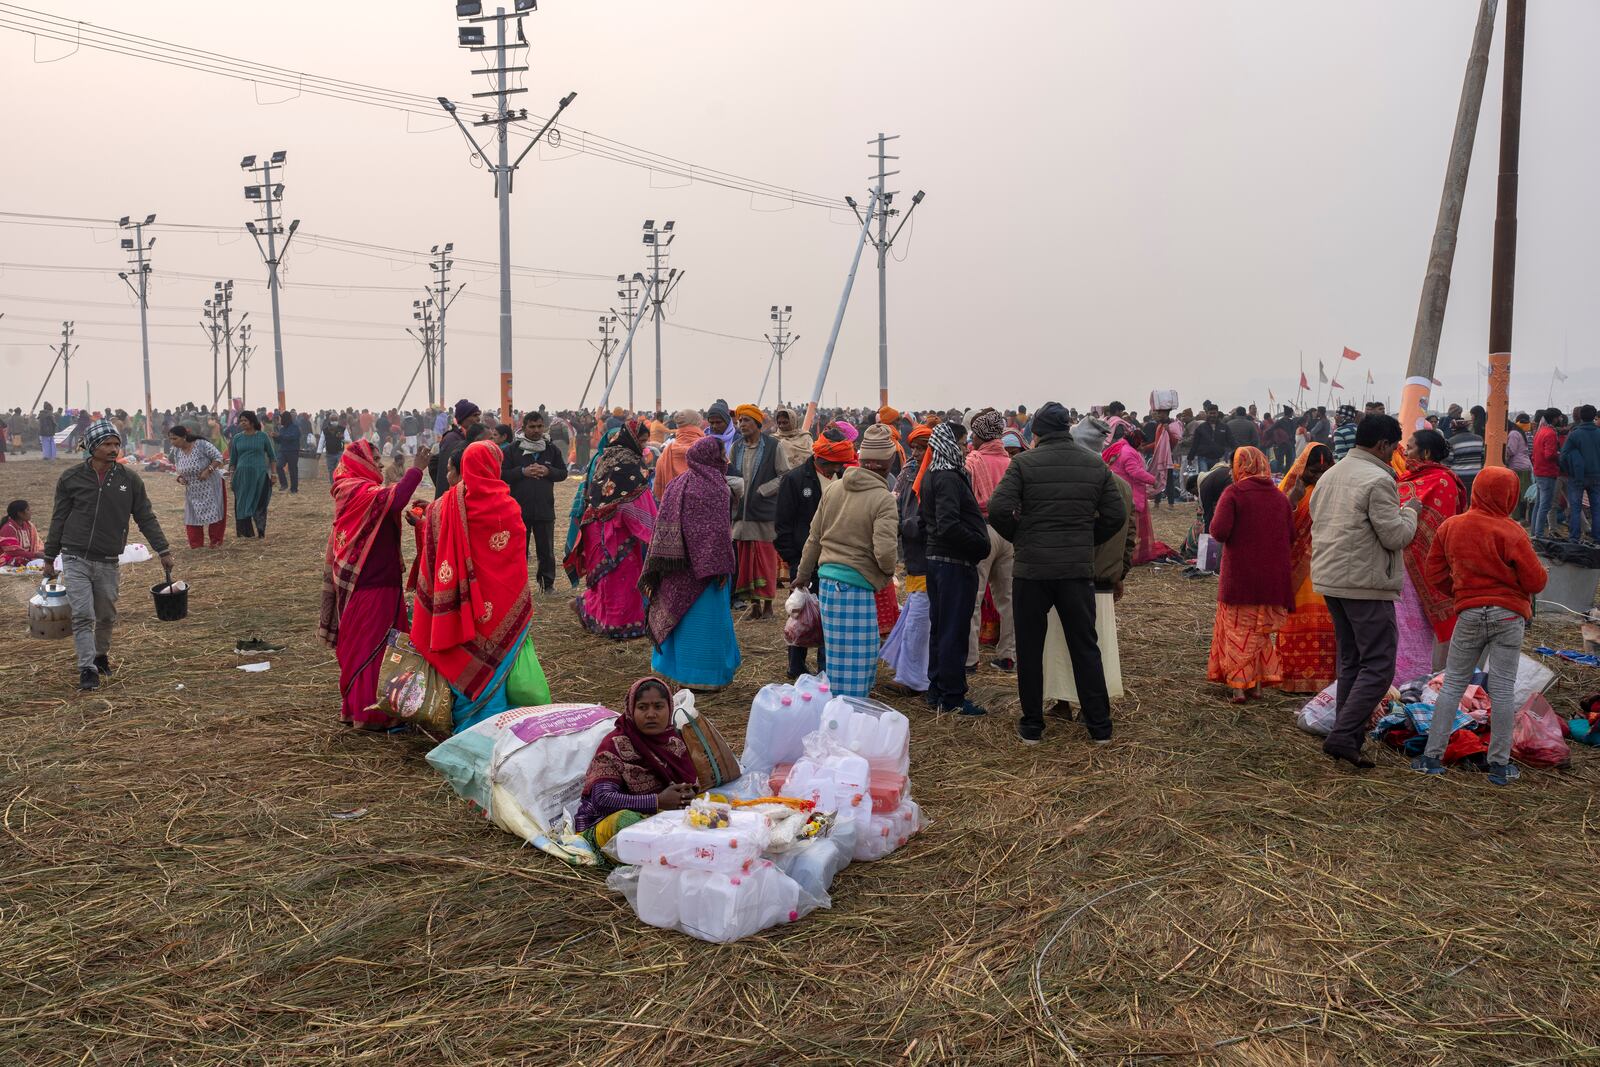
1425, 615
851, 552
613, 530
686, 574
1122, 456
905, 650
795, 442
473, 609
641, 767
362, 595
1255, 525
759, 464
20, 543
1306, 643
250, 457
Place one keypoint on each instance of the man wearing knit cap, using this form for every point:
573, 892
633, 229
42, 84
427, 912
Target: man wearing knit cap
1055, 504
719, 424
987, 463
760, 464
467, 415
89, 529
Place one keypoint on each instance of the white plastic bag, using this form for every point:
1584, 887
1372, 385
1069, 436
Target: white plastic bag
1319, 713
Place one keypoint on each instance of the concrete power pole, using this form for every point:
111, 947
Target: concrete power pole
139, 248
660, 289
1503, 287
882, 243
780, 343
423, 313
1442, 254
212, 312
470, 36
630, 293
440, 265
269, 195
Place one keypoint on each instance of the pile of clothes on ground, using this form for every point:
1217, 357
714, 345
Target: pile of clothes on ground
825, 783
1402, 719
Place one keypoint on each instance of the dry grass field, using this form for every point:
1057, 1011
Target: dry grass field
1208, 889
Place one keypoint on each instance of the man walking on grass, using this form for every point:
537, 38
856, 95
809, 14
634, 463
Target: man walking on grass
89, 529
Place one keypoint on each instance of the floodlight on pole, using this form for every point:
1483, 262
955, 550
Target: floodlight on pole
269, 193
471, 36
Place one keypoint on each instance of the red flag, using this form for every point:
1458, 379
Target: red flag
1303, 383
1336, 387
1351, 354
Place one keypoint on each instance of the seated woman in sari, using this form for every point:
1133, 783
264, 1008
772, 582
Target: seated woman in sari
1426, 615
1307, 649
362, 596
472, 611
617, 521
20, 543
641, 767
686, 576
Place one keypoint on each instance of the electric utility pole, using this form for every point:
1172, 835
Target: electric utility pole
138, 247
440, 265
423, 313
660, 289
211, 313
269, 196
883, 242
64, 355
780, 343
1503, 286
606, 329
630, 293
222, 297
245, 349
470, 36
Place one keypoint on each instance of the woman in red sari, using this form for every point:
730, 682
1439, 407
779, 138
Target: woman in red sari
362, 596
472, 609
1307, 648
1426, 615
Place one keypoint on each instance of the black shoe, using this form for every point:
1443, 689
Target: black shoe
1351, 756
88, 680
972, 669
1028, 737
102, 664
1007, 665
966, 709
932, 701
255, 644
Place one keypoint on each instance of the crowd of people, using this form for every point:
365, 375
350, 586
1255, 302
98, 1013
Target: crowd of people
920, 536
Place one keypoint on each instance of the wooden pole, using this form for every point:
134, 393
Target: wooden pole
1442, 254
1502, 292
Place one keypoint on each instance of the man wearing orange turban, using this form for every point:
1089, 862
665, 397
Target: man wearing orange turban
760, 463
889, 417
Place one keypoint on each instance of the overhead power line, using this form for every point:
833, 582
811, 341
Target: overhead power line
57, 28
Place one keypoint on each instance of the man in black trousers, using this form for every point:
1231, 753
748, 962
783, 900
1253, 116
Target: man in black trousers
532, 467
1056, 503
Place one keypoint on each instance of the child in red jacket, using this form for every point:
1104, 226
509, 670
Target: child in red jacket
1485, 560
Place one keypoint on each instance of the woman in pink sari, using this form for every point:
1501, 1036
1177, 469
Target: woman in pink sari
614, 531
1122, 456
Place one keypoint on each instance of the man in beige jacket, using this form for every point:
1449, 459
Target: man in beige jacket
1358, 532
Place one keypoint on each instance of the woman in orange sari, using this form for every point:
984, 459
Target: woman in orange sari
1426, 614
1255, 525
472, 611
1306, 643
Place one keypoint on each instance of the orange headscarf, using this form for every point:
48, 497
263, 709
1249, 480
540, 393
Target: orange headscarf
1250, 462
919, 433
471, 575
831, 451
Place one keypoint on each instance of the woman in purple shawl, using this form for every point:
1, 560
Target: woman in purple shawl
690, 619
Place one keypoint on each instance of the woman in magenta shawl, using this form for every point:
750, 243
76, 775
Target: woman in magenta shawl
1125, 462
613, 530
686, 574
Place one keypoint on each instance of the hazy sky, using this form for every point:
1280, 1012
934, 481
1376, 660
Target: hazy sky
1120, 196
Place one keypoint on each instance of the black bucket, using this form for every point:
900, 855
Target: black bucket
172, 603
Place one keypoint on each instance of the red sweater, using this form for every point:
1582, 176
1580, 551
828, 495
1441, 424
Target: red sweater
1255, 524
1482, 557
1546, 444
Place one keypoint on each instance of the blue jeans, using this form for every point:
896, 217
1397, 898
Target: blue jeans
1575, 491
1543, 506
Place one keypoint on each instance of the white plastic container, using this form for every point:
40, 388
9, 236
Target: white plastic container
727, 850
814, 866
870, 729
886, 832
641, 842
780, 716
807, 781
720, 907
659, 893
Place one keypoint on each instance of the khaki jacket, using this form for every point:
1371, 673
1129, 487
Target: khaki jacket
1359, 530
857, 524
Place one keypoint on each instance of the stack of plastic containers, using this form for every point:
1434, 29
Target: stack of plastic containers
709, 882
780, 717
881, 736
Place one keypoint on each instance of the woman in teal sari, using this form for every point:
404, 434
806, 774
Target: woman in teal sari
251, 457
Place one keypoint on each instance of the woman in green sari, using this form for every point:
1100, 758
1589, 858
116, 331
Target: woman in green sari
251, 457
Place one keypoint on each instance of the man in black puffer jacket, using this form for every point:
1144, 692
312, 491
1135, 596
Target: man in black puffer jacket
957, 541
1055, 504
